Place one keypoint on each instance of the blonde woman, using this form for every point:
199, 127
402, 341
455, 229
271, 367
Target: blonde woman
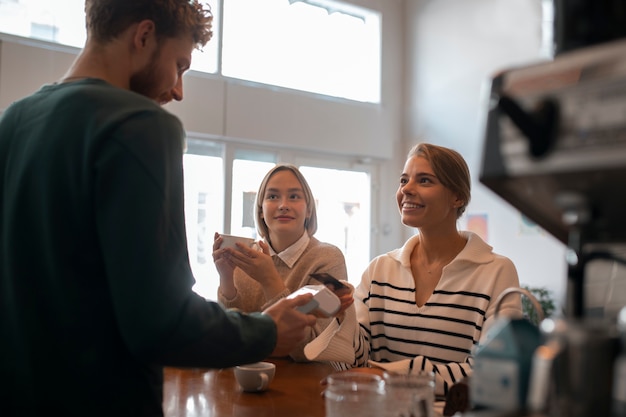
286, 220
427, 304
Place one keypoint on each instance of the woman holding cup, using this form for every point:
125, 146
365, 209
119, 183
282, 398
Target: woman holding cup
252, 279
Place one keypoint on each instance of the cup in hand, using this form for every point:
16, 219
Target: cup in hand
228, 241
354, 394
410, 394
255, 377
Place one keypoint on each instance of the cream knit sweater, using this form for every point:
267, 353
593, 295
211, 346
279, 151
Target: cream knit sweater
317, 257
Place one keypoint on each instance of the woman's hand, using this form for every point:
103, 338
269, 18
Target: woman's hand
258, 265
345, 297
342, 289
224, 267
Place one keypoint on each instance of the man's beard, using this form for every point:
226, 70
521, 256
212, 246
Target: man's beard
145, 81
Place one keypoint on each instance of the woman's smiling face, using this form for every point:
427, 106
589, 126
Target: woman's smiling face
285, 208
422, 199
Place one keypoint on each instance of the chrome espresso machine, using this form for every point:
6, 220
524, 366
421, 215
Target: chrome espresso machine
555, 148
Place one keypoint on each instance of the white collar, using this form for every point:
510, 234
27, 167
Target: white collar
476, 250
290, 255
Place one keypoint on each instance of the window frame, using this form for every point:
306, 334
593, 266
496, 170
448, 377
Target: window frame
231, 148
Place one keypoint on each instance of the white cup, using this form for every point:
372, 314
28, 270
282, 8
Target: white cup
255, 377
228, 241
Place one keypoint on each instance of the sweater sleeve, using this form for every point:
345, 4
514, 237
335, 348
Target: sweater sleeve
511, 305
336, 343
150, 281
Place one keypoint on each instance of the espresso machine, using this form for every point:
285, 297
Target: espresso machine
555, 149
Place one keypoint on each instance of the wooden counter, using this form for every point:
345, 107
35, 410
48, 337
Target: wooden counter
295, 392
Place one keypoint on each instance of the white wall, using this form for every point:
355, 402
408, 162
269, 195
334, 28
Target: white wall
26, 65
453, 47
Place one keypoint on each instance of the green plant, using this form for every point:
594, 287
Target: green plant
545, 299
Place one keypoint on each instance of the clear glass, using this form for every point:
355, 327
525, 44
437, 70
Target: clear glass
318, 46
410, 394
354, 394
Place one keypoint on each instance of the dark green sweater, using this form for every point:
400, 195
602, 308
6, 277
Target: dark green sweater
95, 283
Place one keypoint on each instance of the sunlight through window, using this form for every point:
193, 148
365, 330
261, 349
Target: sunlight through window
303, 46
319, 46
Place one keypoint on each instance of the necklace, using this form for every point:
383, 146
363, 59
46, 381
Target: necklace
435, 267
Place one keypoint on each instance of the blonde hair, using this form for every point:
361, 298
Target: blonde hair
450, 168
310, 224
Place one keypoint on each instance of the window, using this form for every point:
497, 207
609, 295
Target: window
547, 28
319, 46
249, 168
63, 22
204, 210
342, 197
343, 213
215, 201
60, 21
206, 60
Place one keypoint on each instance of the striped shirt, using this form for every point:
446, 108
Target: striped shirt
441, 335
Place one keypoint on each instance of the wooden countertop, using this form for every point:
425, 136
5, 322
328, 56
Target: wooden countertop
295, 391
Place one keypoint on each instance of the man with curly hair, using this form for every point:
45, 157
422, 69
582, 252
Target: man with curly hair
95, 282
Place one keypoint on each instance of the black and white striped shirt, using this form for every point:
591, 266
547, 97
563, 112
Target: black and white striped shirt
440, 335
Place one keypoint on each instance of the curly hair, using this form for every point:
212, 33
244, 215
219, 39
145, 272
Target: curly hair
106, 19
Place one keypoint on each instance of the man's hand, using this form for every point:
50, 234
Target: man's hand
291, 325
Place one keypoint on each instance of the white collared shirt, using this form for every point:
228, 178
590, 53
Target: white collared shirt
290, 255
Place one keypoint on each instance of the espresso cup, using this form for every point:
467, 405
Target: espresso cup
228, 241
255, 377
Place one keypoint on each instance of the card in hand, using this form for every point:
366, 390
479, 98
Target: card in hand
328, 279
